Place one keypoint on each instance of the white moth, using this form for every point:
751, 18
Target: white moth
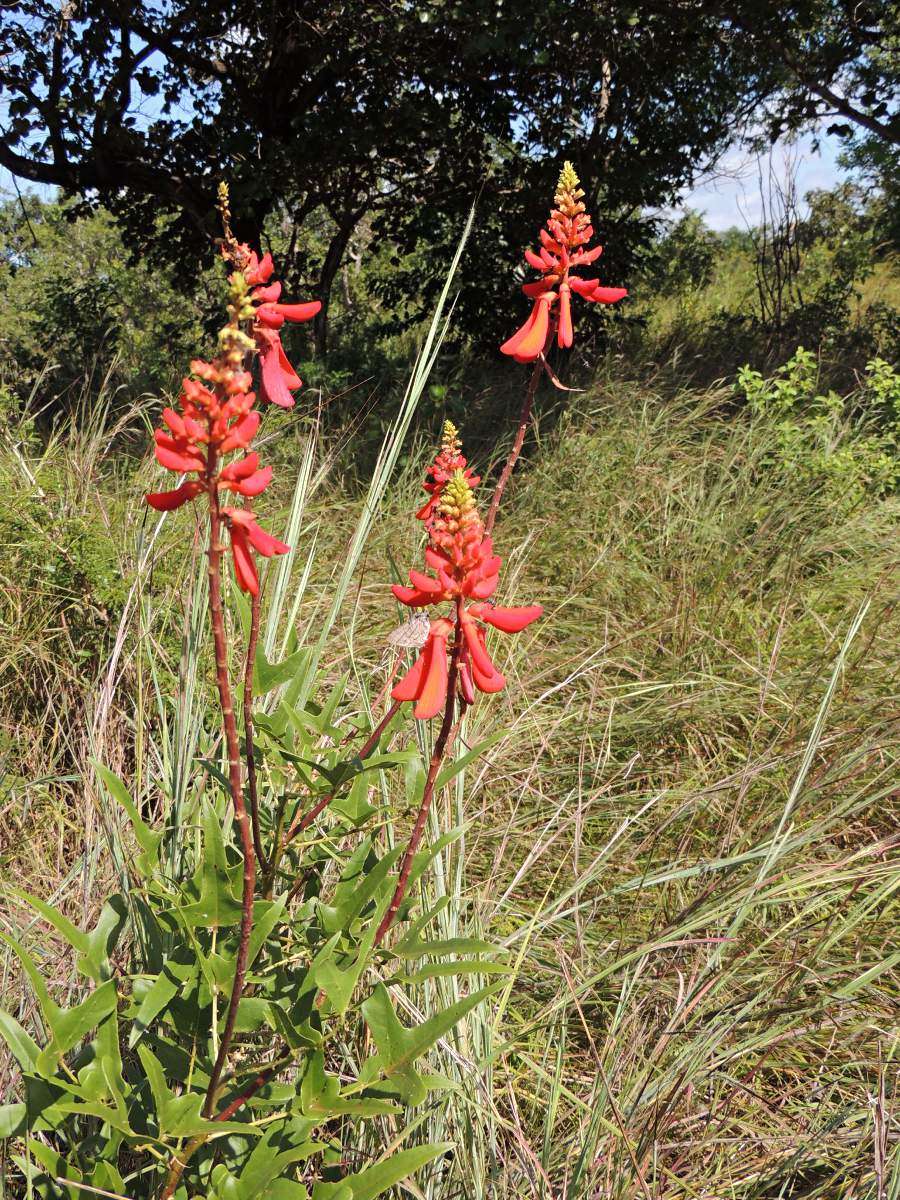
412, 634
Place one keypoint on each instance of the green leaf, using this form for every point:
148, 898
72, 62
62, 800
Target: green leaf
101, 1077
107, 1177
266, 1162
94, 1108
252, 1012
459, 764
354, 806
268, 676
285, 1189
155, 1077
368, 1184
74, 936
320, 1096
25, 1049
13, 1119
179, 1116
399, 1045
49, 1009
349, 901
70, 1026
412, 948
217, 904
92, 948
266, 915
148, 839
67, 1026
162, 991
298, 1037
104, 937
339, 984
334, 699
41, 1099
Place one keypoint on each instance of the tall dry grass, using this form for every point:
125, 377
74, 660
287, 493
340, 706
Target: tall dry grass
682, 825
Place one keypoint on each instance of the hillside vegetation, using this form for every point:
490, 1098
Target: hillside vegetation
680, 818
684, 826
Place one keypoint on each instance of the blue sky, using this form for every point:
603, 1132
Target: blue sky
730, 196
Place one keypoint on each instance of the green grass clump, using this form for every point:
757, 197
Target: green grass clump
684, 832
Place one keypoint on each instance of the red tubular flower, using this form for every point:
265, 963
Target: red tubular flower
426, 681
166, 501
277, 377
568, 231
246, 533
217, 417
465, 569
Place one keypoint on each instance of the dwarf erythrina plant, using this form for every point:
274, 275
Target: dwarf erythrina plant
236, 1042
564, 247
466, 575
454, 659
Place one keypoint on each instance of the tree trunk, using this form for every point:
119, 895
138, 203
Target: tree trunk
330, 267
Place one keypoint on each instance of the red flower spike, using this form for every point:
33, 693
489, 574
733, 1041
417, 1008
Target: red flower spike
465, 568
488, 681
412, 682
605, 295
509, 620
449, 459
254, 484
426, 681
433, 695
298, 312
244, 566
241, 433
278, 377
568, 230
564, 333
217, 416
257, 272
263, 543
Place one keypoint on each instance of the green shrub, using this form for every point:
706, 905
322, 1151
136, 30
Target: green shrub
847, 445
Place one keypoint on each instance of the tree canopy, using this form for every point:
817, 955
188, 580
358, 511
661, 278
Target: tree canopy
402, 113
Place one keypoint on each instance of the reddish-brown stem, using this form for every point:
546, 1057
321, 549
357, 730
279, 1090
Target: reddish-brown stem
303, 822
441, 746
248, 729
259, 1081
234, 775
371, 742
522, 429
179, 1162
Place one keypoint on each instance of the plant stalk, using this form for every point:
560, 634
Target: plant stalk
522, 429
234, 775
249, 665
444, 743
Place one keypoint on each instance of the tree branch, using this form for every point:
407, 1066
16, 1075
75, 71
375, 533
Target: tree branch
889, 133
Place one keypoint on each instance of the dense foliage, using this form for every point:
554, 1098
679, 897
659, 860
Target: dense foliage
396, 116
